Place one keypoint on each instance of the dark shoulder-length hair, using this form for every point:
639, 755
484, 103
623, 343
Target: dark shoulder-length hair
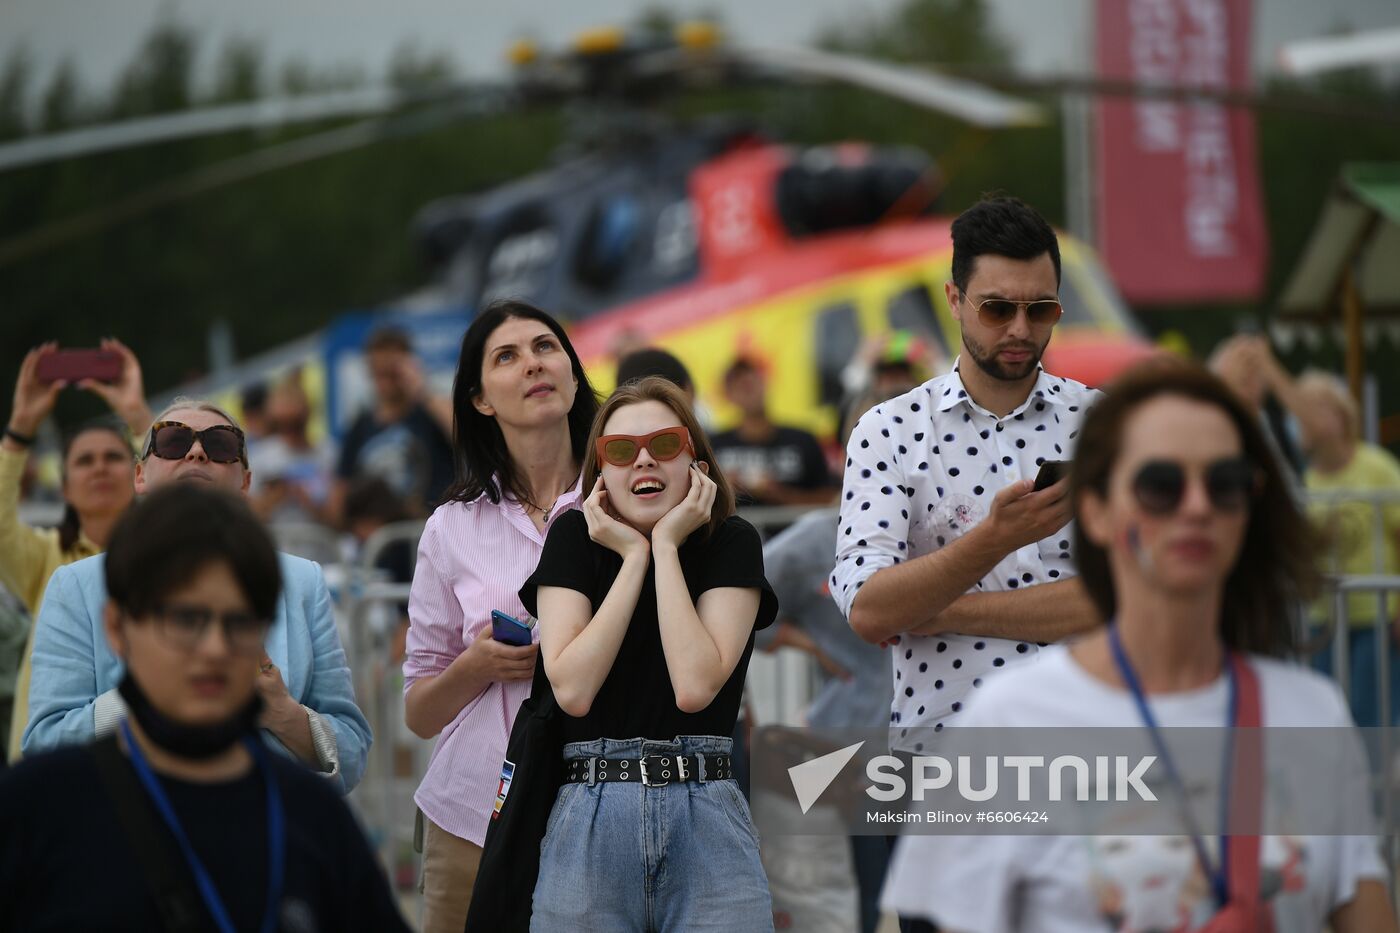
70, 527
478, 447
1276, 569
663, 390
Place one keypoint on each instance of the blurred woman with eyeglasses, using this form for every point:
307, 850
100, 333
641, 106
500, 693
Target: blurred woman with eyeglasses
1194, 551
522, 407
97, 472
182, 819
648, 602
309, 709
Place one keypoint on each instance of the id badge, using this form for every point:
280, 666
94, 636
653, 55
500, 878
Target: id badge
507, 772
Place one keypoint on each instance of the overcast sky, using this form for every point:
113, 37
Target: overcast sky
100, 36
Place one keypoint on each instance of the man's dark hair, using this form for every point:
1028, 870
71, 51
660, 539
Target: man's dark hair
176, 531
653, 361
388, 338
739, 367
253, 399
483, 463
1003, 227
370, 497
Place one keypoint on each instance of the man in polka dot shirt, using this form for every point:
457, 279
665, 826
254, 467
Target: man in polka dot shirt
944, 549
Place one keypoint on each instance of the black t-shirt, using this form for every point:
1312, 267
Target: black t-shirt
637, 699
67, 864
790, 457
412, 455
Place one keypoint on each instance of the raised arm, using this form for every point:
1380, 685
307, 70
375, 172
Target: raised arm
913, 596
442, 674
702, 642
338, 733
580, 645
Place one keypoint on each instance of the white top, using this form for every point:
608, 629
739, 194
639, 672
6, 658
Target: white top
1068, 884
921, 470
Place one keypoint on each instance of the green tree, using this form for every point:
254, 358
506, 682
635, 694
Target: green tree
239, 71
14, 87
159, 78
61, 99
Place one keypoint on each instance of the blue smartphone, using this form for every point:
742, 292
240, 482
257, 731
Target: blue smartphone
509, 629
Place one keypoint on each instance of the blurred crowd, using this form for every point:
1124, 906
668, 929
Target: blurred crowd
411, 454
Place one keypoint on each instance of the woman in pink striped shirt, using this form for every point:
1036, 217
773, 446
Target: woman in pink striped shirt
523, 409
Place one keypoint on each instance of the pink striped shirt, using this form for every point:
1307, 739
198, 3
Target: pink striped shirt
473, 557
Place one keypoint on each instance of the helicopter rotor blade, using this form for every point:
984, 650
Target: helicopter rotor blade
967, 100
250, 165
207, 121
1374, 47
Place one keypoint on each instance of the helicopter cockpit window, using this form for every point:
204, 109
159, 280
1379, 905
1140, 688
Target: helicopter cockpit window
518, 263
838, 339
912, 310
606, 243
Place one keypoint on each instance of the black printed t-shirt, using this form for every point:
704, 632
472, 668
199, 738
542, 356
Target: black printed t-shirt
637, 699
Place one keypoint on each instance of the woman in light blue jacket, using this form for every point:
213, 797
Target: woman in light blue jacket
309, 709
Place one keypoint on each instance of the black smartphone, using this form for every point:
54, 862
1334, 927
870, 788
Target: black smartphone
1051, 472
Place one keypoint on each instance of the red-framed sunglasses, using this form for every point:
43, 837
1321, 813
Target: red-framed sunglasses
622, 449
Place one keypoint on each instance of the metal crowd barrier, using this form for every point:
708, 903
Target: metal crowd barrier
780, 686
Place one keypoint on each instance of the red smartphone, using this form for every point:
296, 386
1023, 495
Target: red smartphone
75, 365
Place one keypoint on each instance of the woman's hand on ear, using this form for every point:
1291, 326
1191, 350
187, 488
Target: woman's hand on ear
609, 531
690, 513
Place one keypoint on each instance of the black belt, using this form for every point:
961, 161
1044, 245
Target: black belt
653, 770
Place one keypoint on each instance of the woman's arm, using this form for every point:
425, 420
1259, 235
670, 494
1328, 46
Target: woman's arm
580, 645
703, 643
1368, 912
441, 674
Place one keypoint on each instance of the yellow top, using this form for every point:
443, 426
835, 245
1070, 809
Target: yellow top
28, 557
1349, 528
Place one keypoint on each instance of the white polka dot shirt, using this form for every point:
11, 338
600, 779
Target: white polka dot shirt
921, 470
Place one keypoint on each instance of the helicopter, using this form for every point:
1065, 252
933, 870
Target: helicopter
710, 239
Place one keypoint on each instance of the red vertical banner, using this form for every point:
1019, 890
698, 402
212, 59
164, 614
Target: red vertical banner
1179, 209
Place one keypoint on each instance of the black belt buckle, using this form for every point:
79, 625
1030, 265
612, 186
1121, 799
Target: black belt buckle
661, 764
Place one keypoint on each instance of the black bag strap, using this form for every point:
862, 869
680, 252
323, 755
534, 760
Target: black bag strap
177, 901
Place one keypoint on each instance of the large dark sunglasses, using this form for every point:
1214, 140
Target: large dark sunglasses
184, 626
1160, 485
621, 449
1000, 312
172, 440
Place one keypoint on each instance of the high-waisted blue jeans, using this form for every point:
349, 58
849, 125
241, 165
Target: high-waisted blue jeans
620, 857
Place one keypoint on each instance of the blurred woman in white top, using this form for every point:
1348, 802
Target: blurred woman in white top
1192, 548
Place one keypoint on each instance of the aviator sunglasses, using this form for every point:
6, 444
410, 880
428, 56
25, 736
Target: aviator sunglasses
621, 449
172, 440
999, 312
1160, 485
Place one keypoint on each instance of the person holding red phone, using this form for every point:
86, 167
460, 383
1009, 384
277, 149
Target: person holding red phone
98, 474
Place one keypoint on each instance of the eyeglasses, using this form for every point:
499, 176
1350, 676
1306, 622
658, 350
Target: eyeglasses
1000, 312
172, 440
622, 449
184, 627
1160, 485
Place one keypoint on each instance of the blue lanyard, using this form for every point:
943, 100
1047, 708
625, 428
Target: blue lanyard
1219, 881
276, 836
